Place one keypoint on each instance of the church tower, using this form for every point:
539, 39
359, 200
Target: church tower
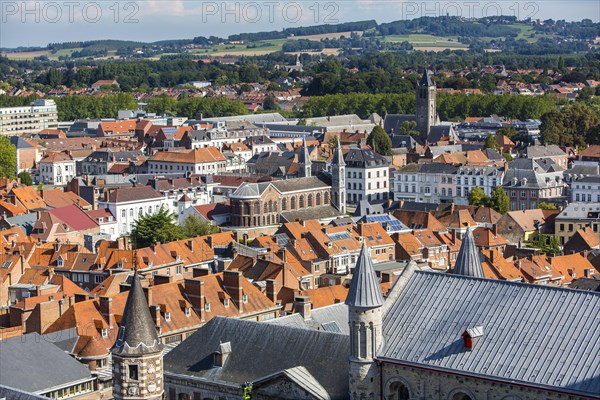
338, 181
137, 353
426, 106
365, 319
304, 163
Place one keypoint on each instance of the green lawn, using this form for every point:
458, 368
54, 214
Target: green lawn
423, 40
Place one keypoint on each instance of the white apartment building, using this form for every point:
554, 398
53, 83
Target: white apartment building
426, 183
57, 169
203, 161
468, 177
367, 176
42, 114
128, 204
586, 190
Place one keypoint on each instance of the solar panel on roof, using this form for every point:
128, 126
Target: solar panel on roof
331, 327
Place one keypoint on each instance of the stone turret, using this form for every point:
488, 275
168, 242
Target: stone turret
426, 106
304, 163
137, 353
468, 262
365, 312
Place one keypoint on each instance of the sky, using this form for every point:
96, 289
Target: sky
39, 22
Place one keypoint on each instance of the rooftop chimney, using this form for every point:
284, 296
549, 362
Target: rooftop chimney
272, 289
194, 289
302, 306
232, 281
106, 309
220, 356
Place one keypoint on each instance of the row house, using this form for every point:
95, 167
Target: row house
196, 191
551, 151
67, 224
530, 182
574, 217
202, 161
124, 129
469, 177
426, 183
103, 161
586, 190
128, 204
367, 176
57, 169
340, 246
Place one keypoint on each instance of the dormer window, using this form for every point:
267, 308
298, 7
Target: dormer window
207, 307
104, 333
188, 311
226, 302
60, 262
167, 316
244, 299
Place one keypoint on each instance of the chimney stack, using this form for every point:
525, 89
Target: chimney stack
232, 280
302, 306
106, 309
155, 313
272, 290
148, 294
194, 290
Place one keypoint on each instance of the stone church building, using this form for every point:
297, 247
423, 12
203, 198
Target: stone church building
443, 336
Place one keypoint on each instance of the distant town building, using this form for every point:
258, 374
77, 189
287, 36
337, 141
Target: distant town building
42, 114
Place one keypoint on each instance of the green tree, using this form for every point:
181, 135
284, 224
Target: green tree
548, 244
8, 158
195, 226
380, 141
408, 128
499, 200
477, 197
491, 143
547, 206
25, 178
160, 227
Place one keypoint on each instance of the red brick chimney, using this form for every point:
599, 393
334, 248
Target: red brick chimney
106, 309
302, 306
271, 289
232, 280
194, 289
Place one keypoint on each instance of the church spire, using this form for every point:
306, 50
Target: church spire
364, 289
304, 162
338, 155
426, 79
468, 262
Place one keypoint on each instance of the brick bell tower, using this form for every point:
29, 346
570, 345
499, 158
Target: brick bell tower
137, 354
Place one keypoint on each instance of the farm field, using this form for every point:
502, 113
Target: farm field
427, 42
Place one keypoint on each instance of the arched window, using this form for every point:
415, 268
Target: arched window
318, 201
326, 198
301, 202
335, 198
293, 203
283, 204
310, 200
246, 208
256, 208
266, 208
399, 391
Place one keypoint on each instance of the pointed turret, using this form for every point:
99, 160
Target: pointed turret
338, 155
364, 289
137, 333
468, 262
304, 163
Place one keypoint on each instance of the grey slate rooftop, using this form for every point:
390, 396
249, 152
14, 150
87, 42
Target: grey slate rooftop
259, 350
330, 318
544, 336
29, 363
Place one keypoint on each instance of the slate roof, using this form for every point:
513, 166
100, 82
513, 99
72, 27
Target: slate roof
294, 185
29, 363
132, 194
393, 122
300, 376
319, 213
365, 158
259, 350
9, 393
364, 289
426, 79
321, 319
20, 143
550, 150
468, 262
544, 336
137, 332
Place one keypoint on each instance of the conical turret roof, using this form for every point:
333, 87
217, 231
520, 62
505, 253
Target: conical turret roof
137, 333
364, 289
338, 156
468, 262
426, 79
